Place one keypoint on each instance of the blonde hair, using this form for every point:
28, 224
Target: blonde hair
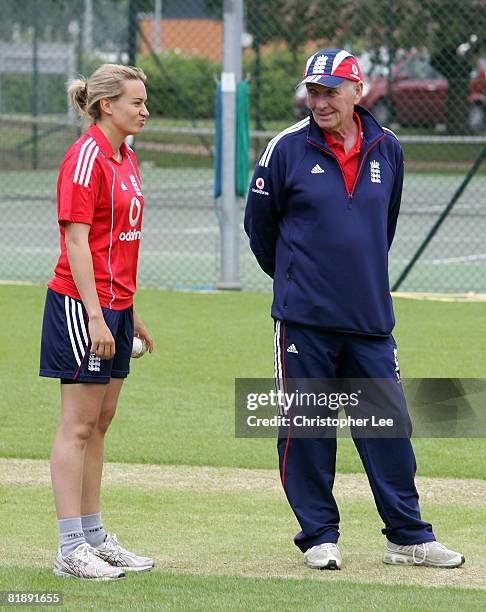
105, 82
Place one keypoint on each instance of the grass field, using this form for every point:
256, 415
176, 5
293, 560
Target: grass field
209, 507
180, 245
177, 146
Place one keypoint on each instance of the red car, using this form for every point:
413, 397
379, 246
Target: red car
419, 94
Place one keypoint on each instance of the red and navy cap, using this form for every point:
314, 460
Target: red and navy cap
330, 67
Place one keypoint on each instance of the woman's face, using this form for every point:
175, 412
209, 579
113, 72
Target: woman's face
128, 112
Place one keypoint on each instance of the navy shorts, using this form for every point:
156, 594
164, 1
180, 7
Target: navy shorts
65, 344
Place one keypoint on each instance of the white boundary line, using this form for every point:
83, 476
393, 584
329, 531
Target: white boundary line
441, 297
438, 297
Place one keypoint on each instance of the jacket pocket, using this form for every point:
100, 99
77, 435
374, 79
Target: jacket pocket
288, 279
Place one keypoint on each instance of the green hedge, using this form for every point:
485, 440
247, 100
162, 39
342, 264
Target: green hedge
279, 75
16, 93
185, 87
189, 86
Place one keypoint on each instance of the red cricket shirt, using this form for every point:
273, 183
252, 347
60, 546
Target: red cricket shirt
348, 161
95, 189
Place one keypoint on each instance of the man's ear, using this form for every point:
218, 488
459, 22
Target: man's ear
358, 91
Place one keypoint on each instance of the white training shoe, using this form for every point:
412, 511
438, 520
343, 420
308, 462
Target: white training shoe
114, 554
83, 562
323, 556
430, 554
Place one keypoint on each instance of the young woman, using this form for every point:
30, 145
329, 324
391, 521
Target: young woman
89, 320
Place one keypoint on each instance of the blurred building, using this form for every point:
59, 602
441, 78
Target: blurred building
189, 28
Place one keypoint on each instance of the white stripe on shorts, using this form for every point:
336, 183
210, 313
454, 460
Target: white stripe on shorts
70, 330
82, 347
81, 320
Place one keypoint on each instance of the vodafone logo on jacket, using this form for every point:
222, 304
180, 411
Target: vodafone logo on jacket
260, 184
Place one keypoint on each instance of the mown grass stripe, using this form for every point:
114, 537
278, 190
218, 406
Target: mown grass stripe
238, 533
469, 492
171, 591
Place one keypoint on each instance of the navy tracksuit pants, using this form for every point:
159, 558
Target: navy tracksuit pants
307, 466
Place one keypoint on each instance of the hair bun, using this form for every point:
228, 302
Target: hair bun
78, 95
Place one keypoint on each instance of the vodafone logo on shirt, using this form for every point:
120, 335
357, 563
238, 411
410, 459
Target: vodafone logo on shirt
136, 207
133, 217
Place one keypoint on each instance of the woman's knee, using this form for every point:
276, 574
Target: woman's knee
105, 418
80, 409
80, 431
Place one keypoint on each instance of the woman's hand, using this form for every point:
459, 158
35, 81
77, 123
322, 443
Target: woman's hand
141, 331
102, 342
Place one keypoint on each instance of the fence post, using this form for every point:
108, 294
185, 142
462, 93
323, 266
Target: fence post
230, 213
258, 66
156, 27
35, 86
88, 27
132, 31
390, 27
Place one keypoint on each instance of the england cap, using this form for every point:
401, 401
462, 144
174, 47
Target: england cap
330, 67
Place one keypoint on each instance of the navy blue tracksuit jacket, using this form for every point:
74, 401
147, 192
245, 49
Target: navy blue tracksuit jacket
327, 249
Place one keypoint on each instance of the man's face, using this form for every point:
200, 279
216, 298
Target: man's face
333, 107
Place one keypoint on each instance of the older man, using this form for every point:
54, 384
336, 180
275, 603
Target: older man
321, 215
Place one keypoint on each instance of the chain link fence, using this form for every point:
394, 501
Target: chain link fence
425, 78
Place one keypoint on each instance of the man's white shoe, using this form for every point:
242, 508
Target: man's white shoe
83, 562
430, 554
113, 553
323, 556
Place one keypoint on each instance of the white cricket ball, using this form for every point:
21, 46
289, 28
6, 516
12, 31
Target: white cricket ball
139, 347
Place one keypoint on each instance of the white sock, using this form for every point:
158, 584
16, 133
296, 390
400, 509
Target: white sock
71, 534
93, 529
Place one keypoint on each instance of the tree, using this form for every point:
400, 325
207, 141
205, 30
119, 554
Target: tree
441, 26
294, 22
455, 23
